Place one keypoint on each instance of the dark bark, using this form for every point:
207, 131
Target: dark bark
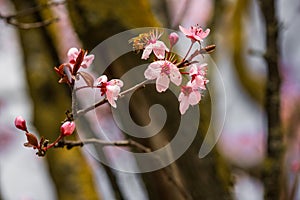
272, 174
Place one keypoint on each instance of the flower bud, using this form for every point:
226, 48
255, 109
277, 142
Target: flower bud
20, 123
173, 37
67, 128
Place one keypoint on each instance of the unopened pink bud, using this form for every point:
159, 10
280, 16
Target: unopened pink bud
173, 37
67, 128
20, 123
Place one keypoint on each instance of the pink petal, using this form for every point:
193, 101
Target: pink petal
181, 96
193, 70
117, 82
111, 99
162, 83
153, 71
112, 94
147, 51
159, 49
88, 60
185, 31
200, 82
175, 76
194, 98
184, 105
72, 54
205, 33
102, 79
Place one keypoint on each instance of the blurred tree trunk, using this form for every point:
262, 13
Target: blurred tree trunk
69, 170
94, 21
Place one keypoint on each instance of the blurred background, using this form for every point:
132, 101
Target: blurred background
231, 171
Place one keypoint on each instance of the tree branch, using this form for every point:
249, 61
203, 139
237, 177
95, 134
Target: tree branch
12, 19
272, 174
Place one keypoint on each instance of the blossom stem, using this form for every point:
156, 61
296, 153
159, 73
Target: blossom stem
53, 143
187, 53
137, 86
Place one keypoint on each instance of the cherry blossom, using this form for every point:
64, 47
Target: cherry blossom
163, 71
198, 74
195, 33
67, 128
77, 58
153, 44
73, 53
110, 88
190, 95
20, 123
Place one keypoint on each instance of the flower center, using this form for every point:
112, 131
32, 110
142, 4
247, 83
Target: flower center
165, 69
186, 90
103, 88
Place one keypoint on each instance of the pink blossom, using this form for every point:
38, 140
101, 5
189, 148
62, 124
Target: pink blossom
195, 33
173, 38
198, 74
73, 54
20, 123
110, 88
190, 95
163, 71
67, 128
158, 47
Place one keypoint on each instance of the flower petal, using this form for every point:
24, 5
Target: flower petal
162, 83
87, 61
153, 71
184, 105
205, 33
185, 31
194, 98
175, 75
112, 94
159, 49
102, 79
147, 51
116, 82
72, 54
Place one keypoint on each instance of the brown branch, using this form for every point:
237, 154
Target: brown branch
272, 173
12, 19
121, 143
26, 26
79, 113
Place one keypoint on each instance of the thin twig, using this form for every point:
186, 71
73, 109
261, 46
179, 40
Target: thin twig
120, 143
137, 86
26, 26
12, 19
79, 113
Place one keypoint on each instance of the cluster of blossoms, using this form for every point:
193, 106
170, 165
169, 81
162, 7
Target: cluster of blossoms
164, 69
